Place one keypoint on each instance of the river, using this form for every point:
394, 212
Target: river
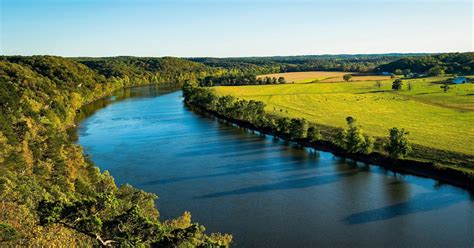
265, 192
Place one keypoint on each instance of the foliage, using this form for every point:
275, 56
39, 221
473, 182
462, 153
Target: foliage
436, 71
397, 84
264, 65
398, 145
445, 87
7, 233
313, 134
353, 139
229, 80
459, 63
51, 194
347, 77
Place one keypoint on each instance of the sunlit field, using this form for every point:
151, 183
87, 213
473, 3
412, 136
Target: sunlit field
323, 76
437, 119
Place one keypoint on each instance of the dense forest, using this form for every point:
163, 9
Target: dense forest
417, 63
54, 195
51, 194
263, 65
461, 63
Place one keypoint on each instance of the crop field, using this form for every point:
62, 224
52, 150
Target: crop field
434, 118
323, 76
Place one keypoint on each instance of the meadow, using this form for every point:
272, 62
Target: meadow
434, 118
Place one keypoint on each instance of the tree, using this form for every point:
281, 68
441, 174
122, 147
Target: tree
445, 87
283, 125
353, 139
313, 134
397, 84
347, 77
398, 145
398, 72
281, 80
436, 71
7, 233
406, 72
298, 128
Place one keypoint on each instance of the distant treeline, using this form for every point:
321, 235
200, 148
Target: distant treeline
459, 63
264, 65
234, 80
416, 63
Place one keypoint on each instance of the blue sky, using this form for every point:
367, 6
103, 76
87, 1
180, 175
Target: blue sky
233, 28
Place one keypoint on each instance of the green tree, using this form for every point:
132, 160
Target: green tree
281, 80
298, 128
398, 72
398, 145
353, 139
7, 233
406, 72
313, 134
445, 87
347, 77
397, 84
436, 71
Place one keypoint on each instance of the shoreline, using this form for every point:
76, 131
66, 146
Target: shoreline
404, 166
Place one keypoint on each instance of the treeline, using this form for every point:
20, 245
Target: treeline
266, 65
453, 63
351, 140
234, 80
137, 70
51, 194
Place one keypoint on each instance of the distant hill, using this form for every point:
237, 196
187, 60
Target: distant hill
273, 64
450, 62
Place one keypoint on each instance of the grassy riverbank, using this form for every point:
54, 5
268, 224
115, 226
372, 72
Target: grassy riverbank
251, 114
440, 123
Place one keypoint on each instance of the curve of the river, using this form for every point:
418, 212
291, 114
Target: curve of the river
265, 192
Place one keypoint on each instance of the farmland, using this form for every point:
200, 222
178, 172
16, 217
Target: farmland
323, 76
434, 118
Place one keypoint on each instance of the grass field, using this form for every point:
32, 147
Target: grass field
323, 76
434, 118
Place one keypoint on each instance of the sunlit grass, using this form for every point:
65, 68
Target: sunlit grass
434, 118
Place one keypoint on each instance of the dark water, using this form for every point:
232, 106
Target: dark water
267, 193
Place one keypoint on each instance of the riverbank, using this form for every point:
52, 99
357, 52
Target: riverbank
405, 166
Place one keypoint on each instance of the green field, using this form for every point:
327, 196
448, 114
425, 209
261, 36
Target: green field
435, 119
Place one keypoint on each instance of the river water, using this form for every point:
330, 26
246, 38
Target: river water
265, 192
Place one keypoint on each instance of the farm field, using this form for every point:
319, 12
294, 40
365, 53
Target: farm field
323, 76
436, 119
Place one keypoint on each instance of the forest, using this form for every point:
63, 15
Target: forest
452, 63
51, 193
416, 62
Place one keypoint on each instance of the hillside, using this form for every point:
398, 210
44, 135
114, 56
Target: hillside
51, 194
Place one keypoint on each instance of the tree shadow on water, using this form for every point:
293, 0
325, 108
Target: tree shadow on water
284, 185
422, 202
